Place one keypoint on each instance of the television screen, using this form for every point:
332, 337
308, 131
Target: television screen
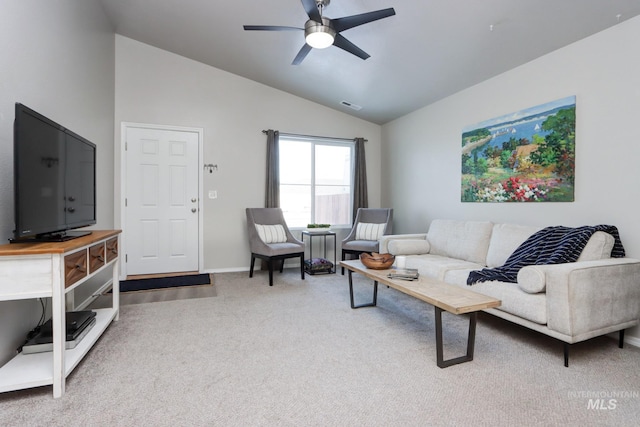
79, 181
54, 178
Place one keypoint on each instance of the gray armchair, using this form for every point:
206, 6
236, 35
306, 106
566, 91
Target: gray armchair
355, 244
276, 243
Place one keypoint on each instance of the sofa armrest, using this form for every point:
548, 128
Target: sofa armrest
590, 296
384, 240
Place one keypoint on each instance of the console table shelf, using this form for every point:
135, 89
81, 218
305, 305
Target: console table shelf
52, 270
35, 370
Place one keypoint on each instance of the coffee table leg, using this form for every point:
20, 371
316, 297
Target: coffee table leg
470, 341
375, 293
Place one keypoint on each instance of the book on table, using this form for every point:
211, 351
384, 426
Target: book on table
404, 274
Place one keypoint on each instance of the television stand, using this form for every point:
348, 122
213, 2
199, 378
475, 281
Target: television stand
54, 270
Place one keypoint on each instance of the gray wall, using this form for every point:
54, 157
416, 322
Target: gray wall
422, 150
158, 87
57, 58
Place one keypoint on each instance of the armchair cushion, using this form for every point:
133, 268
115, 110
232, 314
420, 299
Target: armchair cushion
369, 231
361, 246
271, 233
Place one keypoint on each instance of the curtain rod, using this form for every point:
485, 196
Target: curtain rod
313, 136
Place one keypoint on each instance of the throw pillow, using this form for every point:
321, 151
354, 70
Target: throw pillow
409, 247
531, 279
369, 231
599, 246
271, 233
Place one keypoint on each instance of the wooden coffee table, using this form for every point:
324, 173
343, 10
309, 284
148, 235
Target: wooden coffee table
439, 294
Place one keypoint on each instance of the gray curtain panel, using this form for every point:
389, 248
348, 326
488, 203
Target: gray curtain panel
360, 197
272, 190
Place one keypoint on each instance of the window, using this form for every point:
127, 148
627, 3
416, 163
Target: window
315, 180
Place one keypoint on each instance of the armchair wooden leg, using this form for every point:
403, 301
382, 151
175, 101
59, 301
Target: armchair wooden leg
302, 265
253, 260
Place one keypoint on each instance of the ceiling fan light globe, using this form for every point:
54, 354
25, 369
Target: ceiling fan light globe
319, 40
318, 35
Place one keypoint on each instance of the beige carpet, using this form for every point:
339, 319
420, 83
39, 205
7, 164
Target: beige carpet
296, 354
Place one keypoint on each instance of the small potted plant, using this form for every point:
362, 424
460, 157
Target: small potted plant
318, 228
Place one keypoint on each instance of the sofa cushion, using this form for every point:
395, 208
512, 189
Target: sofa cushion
598, 247
369, 231
505, 239
463, 240
532, 278
409, 247
532, 307
271, 233
437, 266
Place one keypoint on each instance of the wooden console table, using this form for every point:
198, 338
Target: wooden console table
51, 270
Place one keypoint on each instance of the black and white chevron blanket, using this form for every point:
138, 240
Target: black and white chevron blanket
551, 245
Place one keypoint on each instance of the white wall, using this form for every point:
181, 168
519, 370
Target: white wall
422, 150
57, 58
158, 87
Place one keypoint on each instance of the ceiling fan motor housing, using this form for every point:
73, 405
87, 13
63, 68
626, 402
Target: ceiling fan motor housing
317, 29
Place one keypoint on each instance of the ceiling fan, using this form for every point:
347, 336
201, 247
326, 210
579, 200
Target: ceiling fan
321, 32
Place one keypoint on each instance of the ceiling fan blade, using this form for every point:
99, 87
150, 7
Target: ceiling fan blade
270, 28
301, 55
311, 8
345, 44
341, 24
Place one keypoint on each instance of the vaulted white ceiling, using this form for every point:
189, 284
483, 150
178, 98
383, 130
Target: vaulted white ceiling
430, 49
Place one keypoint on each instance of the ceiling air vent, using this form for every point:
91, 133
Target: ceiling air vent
350, 105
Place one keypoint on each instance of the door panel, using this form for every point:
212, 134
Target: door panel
162, 196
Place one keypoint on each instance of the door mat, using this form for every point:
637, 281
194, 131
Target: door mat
164, 282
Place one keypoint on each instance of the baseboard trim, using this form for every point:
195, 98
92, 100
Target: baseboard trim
226, 270
634, 341
241, 269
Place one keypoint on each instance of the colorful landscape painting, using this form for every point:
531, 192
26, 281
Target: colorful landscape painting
528, 156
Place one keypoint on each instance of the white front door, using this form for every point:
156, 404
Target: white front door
161, 200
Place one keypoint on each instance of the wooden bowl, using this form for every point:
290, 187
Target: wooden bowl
376, 261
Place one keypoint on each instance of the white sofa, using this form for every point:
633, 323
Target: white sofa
571, 302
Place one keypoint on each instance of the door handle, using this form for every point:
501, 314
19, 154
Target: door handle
193, 210
194, 200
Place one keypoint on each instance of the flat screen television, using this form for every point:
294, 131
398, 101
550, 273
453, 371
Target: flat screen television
54, 179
